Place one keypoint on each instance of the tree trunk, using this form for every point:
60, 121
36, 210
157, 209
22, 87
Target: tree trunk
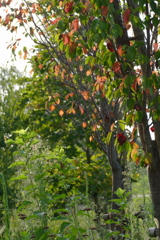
154, 182
117, 182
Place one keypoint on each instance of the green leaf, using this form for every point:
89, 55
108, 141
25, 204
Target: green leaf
121, 124
119, 192
62, 25
24, 204
95, 24
108, 139
20, 177
64, 225
11, 141
17, 163
116, 31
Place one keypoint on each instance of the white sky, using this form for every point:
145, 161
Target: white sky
6, 56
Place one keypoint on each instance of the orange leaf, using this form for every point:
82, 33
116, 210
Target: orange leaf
117, 67
57, 69
58, 101
69, 95
104, 10
120, 51
89, 72
61, 112
40, 66
84, 124
68, 7
81, 109
66, 39
112, 127
49, 7
85, 94
94, 128
155, 46
126, 16
52, 108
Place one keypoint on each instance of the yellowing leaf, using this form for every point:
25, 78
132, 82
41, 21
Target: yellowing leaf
49, 7
135, 145
112, 127
91, 138
134, 154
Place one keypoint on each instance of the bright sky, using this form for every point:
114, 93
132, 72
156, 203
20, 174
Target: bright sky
6, 55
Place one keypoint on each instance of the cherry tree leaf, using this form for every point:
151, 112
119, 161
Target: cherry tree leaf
126, 16
68, 7
104, 10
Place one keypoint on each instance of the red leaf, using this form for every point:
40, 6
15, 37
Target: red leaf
55, 21
72, 47
75, 24
68, 7
121, 138
152, 129
126, 16
117, 67
110, 46
66, 39
104, 10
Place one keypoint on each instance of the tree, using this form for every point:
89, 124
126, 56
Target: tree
115, 76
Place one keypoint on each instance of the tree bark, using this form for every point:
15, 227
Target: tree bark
154, 182
117, 182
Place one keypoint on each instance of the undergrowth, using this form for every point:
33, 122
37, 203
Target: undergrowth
49, 206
